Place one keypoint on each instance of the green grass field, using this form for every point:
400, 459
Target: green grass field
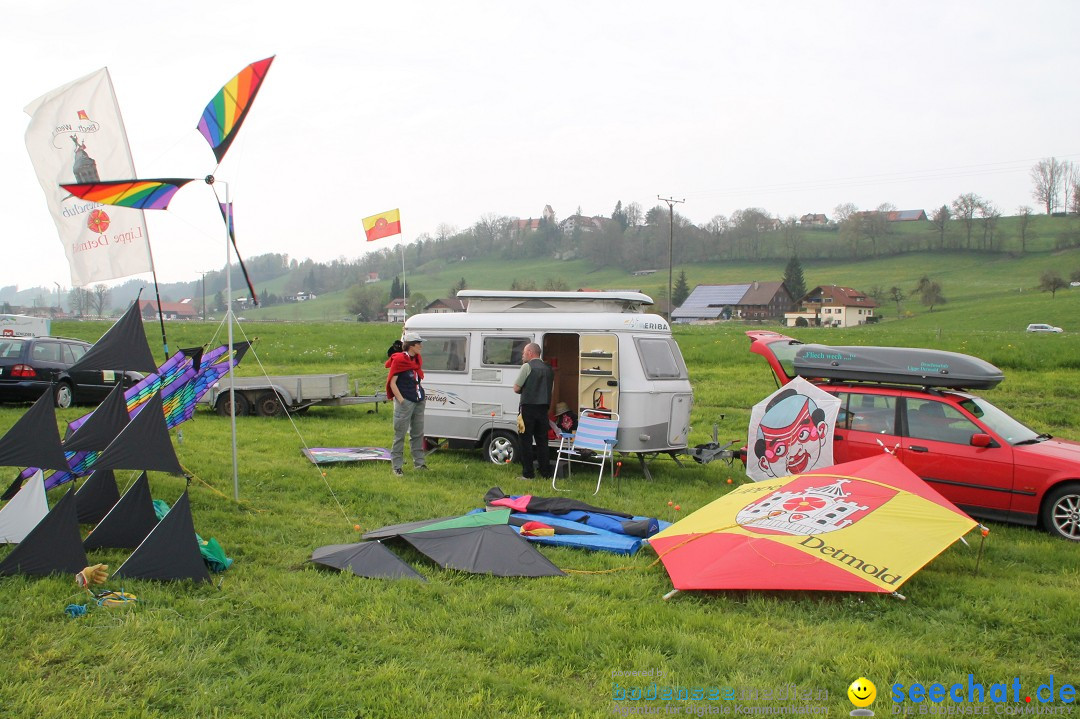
273, 637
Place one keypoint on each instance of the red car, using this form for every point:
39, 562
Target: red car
973, 453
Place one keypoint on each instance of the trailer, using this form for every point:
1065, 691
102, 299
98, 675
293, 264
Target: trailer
294, 393
605, 352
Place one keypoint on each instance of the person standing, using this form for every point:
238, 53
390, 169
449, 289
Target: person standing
534, 383
403, 382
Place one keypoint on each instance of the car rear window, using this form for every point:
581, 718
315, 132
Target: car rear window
47, 351
11, 349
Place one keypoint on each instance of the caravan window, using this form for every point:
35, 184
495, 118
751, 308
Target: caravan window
504, 350
444, 354
661, 358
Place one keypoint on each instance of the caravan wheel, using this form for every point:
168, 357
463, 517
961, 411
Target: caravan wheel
502, 447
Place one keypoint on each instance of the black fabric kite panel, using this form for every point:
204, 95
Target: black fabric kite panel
97, 496
195, 353
103, 424
52, 547
144, 444
240, 349
13, 488
170, 552
123, 347
128, 522
34, 440
365, 559
554, 505
493, 549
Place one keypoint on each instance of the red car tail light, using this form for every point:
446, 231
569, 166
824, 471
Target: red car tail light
23, 370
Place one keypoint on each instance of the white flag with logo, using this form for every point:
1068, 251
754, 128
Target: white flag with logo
76, 135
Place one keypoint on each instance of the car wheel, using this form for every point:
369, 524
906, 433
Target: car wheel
222, 407
268, 404
502, 447
63, 395
1061, 512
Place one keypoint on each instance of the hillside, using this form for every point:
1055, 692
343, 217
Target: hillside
1011, 252
985, 292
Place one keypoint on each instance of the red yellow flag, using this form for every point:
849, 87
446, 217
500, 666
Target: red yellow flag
385, 224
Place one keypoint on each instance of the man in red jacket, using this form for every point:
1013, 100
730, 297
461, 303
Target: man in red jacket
403, 383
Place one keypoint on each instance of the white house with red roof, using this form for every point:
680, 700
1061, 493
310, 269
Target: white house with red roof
183, 310
395, 310
832, 306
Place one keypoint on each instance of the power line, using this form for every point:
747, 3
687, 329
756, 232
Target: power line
671, 202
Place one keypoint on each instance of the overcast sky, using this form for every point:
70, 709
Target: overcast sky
451, 111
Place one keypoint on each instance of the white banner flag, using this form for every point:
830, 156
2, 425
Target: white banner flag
76, 135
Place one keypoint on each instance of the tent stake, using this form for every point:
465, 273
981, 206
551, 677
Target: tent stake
978, 558
670, 594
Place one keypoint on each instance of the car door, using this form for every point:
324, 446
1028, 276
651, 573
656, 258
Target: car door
90, 385
865, 427
937, 447
47, 359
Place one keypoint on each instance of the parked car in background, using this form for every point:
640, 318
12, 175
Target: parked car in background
973, 453
1043, 328
31, 366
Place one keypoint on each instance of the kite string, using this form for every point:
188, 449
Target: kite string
203, 482
296, 429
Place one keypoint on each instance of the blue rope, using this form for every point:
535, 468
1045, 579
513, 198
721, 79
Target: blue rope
75, 610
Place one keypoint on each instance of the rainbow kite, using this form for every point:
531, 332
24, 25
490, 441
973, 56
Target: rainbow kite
139, 194
226, 111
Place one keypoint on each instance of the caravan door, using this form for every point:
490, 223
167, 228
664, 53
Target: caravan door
598, 372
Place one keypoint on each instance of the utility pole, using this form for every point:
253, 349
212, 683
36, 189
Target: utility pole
204, 274
671, 202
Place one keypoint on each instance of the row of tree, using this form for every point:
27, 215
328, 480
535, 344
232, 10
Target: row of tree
635, 237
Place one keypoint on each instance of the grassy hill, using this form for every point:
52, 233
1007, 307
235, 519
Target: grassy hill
984, 291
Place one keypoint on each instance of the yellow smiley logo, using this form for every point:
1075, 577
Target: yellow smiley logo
862, 692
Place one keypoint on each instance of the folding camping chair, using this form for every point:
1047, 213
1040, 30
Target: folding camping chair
593, 442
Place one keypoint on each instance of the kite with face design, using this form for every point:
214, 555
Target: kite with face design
793, 433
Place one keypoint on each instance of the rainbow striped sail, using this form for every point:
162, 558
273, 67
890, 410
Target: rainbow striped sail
181, 386
226, 111
140, 194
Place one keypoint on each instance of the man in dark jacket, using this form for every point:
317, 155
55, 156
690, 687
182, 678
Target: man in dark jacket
534, 383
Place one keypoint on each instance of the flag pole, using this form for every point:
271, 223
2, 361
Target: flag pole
229, 322
157, 293
404, 296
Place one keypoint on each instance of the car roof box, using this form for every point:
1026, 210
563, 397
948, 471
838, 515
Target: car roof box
897, 365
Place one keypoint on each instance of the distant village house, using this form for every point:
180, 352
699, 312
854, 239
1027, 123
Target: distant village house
756, 301
445, 305
182, 310
832, 306
395, 310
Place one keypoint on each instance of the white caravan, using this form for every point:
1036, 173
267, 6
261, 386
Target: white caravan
604, 350
24, 326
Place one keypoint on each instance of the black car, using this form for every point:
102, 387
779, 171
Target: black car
31, 366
